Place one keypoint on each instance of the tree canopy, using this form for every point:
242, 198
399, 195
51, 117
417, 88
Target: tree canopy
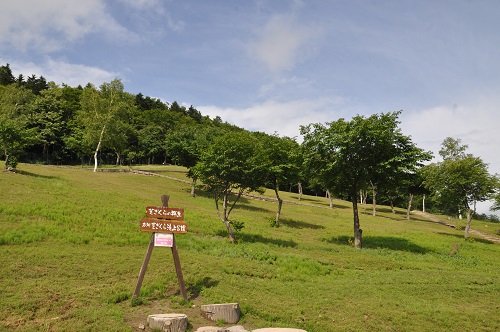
230, 166
460, 181
347, 156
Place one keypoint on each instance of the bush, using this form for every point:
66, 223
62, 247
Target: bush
237, 225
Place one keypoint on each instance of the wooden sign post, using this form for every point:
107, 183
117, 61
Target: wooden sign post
163, 220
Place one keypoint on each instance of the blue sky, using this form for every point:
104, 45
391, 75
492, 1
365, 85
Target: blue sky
276, 65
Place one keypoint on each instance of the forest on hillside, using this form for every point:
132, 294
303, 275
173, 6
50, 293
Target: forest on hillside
363, 159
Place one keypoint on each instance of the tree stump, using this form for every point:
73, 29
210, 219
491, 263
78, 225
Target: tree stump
168, 322
278, 329
236, 328
227, 312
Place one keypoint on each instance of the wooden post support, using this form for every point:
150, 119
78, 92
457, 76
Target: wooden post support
175, 254
178, 270
144, 265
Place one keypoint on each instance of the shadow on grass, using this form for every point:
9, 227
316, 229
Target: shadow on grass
382, 242
241, 206
256, 238
322, 201
299, 224
475, 239
19, 171
196, 288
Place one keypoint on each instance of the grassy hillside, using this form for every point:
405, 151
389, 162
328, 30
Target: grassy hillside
70, 251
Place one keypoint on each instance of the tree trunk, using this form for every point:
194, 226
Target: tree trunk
363, 195
98, 147
392, 207
226, 222
374, 202
423, 203
193, 185
330, 198
300, 191
280, 205
358, 232
410, 199
469, 220
117, 158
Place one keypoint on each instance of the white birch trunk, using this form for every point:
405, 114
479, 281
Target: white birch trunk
409, 207
330, 198
98, 147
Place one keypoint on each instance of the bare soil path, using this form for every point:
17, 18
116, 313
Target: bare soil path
436, 219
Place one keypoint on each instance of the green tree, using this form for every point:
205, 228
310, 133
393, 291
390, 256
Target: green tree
347, 155
36, 84
185, 144
459, 183
230, 166
15, 135
6, 76
102, 112
496, 198
47, 117
281, 158
452, 148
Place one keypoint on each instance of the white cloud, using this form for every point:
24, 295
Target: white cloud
272, 116
476, 125
281, 42
63, 72
48, 25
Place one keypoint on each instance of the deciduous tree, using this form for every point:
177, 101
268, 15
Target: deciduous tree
230, 166
459, 182
15, 135
281, 157
101, 110
350, 154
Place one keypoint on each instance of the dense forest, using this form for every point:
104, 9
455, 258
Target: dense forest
366, 157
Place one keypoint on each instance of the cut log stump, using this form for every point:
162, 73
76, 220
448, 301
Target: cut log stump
168, 322
236, 328
227, 312
278, 329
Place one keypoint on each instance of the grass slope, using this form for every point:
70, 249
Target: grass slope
70, 252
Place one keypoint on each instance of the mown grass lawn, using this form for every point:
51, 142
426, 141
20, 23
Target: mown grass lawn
71, 249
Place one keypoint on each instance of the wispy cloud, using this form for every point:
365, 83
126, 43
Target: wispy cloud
280, 43
271, 116
476, 124
63, 72
49, 25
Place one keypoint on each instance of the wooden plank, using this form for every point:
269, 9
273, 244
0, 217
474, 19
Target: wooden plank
144, 266
178, 271
163, 226
165, 213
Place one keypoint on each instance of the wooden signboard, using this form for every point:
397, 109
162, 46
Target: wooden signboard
163, 226
161, 212
163, 220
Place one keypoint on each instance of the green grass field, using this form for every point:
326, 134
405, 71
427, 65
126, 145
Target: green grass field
71, 250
